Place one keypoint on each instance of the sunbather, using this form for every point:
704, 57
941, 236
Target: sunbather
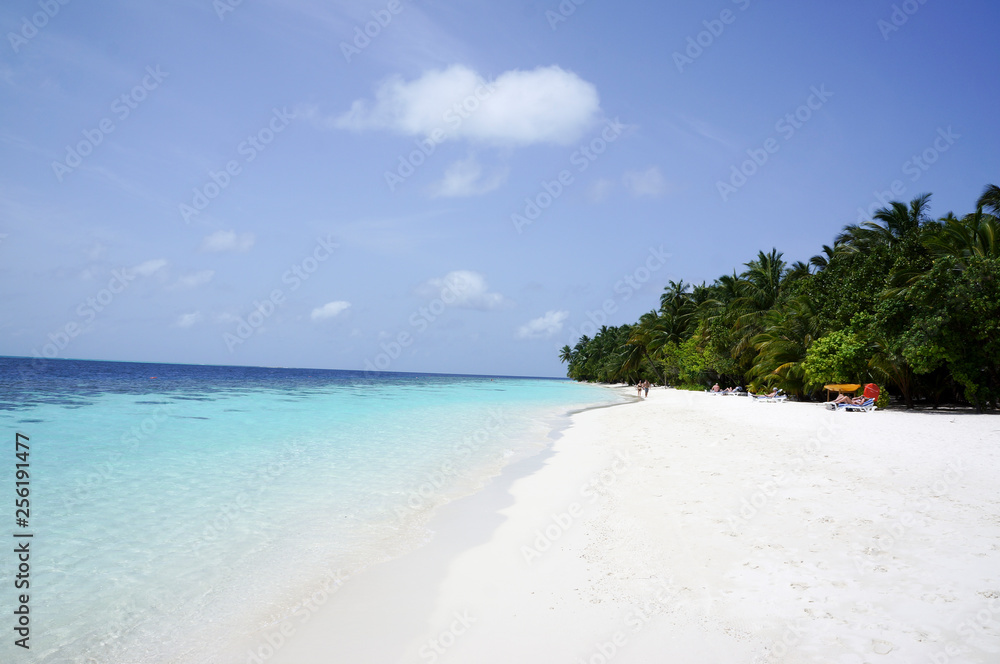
716, 388
845, 399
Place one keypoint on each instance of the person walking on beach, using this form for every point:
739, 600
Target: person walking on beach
645, 387
638, 389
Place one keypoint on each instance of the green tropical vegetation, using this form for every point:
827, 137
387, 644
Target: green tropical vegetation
904, 300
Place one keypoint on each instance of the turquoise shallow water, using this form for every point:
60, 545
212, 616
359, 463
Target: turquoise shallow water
175, 515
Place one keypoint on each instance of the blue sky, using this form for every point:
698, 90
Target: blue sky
466, 187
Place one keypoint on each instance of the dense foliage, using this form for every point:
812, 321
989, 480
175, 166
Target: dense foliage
902, 300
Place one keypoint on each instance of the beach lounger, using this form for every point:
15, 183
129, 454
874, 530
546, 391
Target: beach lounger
763, 398
867, 406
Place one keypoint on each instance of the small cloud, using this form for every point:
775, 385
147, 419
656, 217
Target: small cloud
600, 189
542, 327
465, 178
149, 267
543, 105
464, 289
194, 280
649, 182
227, 241
330, 310
187, 320
95, 253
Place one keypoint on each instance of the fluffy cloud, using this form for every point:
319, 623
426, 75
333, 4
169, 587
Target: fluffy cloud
462, 288
330, 310
600, 189
149, 267
196, 279
187, 320
465, 178
227, 241
649, 182
543, 105
542, 327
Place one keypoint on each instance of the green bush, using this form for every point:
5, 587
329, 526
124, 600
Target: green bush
883, 398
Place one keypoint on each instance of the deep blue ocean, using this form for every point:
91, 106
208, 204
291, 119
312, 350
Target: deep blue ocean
176, 509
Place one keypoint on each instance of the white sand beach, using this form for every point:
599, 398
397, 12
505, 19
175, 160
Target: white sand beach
698, 528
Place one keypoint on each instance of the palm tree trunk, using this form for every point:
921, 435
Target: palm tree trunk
655, 368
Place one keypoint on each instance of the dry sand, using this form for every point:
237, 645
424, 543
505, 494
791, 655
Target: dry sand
698, 528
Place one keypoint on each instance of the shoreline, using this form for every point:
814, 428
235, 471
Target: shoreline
707, 529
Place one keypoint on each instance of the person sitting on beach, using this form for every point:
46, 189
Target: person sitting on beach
716, 388
845, 399
773, 394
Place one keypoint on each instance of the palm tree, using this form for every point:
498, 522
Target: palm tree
759, 290
822, 261
566, 354
781, 346
890, 226
888, 362
990, 199
974, 235
648, 337
797, 270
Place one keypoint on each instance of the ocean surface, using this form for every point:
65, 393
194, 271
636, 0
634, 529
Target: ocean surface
177, 510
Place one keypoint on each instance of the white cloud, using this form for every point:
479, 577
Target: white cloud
543, 105
149, 267
600, 189
542, 327
195, 279
227, 241
649, 182
462, 288
330, 310
465, 178
187, 320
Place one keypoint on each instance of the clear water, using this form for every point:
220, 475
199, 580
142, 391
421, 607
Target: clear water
177, 509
